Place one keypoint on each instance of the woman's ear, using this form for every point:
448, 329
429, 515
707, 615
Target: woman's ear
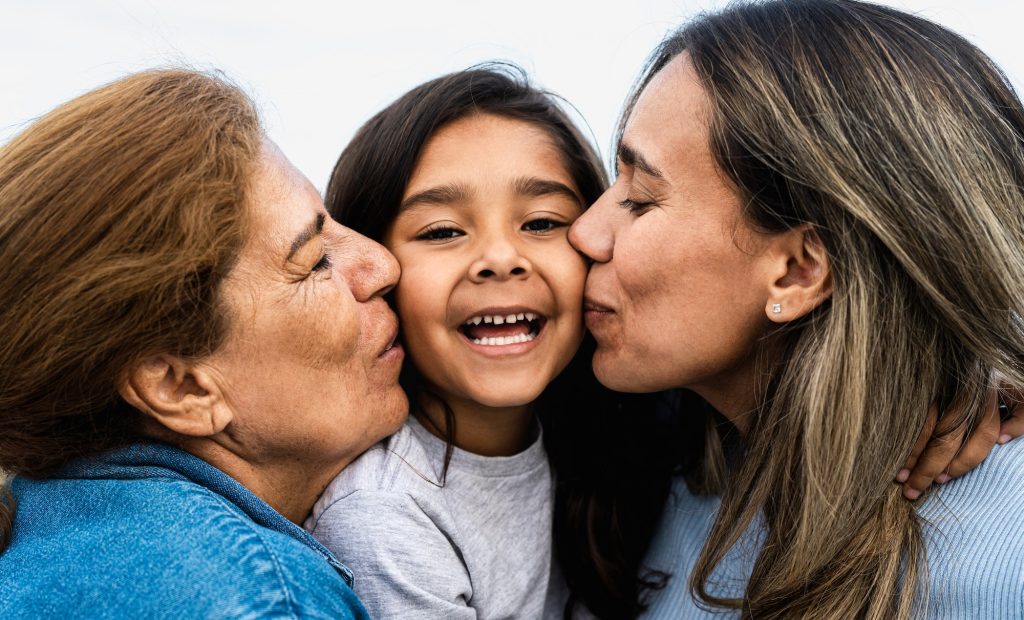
801, 278
181, 397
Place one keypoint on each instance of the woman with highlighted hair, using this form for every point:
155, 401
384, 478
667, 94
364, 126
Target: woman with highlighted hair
818, 226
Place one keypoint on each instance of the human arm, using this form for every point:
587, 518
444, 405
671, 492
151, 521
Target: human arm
941, 452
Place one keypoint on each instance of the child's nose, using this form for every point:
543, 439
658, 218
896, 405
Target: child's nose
499, 260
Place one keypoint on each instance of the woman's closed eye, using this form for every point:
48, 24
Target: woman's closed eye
635, 206
323, 264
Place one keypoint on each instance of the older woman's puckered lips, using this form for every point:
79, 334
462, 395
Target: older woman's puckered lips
392, 350
594, 312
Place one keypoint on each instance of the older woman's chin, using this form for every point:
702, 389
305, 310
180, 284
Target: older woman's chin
394, 408
386, 403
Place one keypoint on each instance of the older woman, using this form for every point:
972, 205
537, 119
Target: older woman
191, 349
817, 226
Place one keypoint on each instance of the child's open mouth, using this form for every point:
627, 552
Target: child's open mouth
504, 329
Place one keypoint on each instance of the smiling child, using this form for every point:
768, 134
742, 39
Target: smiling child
472, 181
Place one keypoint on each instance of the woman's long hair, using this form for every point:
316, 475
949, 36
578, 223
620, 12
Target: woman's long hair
608, 499
121, 211
903, 146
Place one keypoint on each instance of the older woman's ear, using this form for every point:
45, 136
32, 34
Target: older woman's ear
181, 397
800, 276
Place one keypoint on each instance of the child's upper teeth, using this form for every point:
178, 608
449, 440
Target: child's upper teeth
501, 319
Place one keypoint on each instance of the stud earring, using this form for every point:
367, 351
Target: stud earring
776, 308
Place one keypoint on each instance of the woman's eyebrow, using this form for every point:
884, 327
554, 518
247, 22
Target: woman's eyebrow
533, 187
631, 157
313, 229
440, 195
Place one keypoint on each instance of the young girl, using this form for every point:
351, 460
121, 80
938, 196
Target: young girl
472, 181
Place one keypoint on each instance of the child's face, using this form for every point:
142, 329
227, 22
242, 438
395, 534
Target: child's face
482, 234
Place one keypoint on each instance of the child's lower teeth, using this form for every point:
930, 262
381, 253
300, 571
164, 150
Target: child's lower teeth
503, 340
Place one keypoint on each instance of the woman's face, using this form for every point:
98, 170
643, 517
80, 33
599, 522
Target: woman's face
491, 291
676, 295
308, 368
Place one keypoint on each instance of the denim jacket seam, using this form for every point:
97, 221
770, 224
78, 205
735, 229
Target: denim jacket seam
267, 548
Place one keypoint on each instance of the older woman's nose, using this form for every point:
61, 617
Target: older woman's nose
374, 270
499, 259
592, 234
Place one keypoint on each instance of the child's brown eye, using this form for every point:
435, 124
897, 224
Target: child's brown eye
439, 233
542, 224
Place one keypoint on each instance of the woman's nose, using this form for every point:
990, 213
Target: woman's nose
372, 270
592, 234
499, 259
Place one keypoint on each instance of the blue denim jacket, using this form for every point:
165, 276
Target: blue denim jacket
153, 532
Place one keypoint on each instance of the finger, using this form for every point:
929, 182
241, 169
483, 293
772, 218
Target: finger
946, 441
920, 444
978, 445
937, 455
1013, 426
1013, 396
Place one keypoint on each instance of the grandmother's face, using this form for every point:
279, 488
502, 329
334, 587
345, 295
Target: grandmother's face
310, 368
676, 295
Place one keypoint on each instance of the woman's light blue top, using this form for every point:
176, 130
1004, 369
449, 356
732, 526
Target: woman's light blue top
974, 535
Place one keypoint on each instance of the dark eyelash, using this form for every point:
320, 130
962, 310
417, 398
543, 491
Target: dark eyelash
553, 224
437, 233
323, 263
633, 206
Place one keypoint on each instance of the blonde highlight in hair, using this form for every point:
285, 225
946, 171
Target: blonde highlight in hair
120, 213
902, 145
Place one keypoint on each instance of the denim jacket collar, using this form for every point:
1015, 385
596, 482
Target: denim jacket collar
156, 460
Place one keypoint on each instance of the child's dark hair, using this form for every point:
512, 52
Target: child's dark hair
611, 478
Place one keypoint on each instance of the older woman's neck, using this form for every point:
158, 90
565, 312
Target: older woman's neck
289, 486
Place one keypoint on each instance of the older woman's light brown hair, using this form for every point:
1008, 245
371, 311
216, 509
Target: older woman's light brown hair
120, 213
902, 145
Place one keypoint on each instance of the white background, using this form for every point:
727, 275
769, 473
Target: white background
319, 69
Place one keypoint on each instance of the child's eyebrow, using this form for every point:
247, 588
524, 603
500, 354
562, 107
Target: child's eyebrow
533, 187
440, 195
